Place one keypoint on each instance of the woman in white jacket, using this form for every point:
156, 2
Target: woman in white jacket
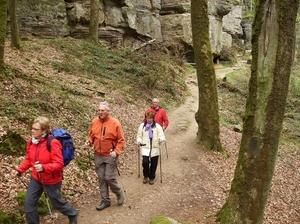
149, 137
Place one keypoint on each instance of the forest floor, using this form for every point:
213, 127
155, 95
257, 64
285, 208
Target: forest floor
192, 183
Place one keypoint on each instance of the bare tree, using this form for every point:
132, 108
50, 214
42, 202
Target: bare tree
94, 21
15, 38
3, 21
207, 115
272, 55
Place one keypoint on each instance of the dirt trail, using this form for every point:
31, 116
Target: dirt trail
181, 195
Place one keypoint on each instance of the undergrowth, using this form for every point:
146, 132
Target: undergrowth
82, 71
232, 96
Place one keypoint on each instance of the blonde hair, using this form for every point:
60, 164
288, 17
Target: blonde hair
44, 123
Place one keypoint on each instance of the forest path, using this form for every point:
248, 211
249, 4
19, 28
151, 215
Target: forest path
187, 191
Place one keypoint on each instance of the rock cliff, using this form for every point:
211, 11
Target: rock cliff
128, 23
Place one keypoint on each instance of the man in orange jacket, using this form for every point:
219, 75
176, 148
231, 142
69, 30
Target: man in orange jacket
107, 136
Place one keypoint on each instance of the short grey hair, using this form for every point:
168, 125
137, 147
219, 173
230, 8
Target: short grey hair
106, 104
155, 100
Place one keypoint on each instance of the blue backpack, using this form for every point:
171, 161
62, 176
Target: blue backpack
64, 137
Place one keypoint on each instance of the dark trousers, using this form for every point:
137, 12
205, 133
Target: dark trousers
34, 192
149, 169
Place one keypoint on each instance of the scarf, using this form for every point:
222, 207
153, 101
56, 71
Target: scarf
37, 140
148, 128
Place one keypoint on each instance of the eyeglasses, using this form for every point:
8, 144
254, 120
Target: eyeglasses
35, 129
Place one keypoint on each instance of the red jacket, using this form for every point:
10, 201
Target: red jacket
104, 133
160, 116
52, 162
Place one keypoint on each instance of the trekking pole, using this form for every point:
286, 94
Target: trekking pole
113, 149
160, 163
25, 185
150, 151
139, 159
46, 196
139, 148
166, 148
19, 175
89, 155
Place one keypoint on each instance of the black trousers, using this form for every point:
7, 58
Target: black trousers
149, 168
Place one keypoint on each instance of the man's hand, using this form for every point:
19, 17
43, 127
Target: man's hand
87, 144
113, 154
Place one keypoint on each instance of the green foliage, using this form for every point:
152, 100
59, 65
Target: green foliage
232, 96
249, 15
12, 144
161, 220
4, 218
298, 19
82, 163
14, 218
21, 197
41, 204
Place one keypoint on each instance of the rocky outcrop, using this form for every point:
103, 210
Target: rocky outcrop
127, 23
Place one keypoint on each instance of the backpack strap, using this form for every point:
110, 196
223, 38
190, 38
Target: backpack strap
49, 140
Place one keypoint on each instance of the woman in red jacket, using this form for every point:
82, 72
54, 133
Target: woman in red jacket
46, 173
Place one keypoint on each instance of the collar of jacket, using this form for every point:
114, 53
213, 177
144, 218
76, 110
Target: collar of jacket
157, 108
104, 119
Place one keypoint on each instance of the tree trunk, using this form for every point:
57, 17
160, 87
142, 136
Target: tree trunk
207, 115
3, 21
272, 53
94, 21
15, 39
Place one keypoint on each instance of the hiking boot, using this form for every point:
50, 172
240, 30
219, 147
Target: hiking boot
151, 182
103, 205
145, 180
73, 219
120, 198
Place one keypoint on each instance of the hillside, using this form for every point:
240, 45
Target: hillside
43, 78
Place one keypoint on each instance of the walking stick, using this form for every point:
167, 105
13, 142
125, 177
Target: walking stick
46, 196
166, 149
139, 159
139, 148
89, 155
150, 151
160, 163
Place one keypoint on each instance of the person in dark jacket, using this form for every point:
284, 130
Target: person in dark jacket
46, 175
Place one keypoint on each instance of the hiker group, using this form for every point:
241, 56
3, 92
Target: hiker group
48, 152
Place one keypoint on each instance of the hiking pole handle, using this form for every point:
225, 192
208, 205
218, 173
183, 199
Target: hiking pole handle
39, 168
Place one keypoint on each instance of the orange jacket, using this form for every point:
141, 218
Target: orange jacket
106, 133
